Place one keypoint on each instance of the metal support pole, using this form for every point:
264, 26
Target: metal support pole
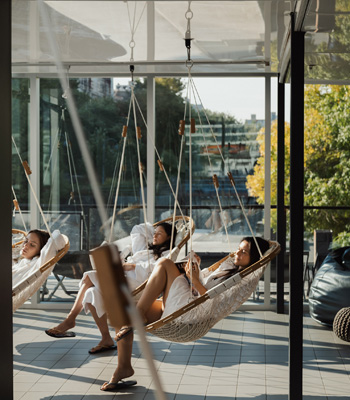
267, 194
296, 215
151, 105
281, 213
6, 359
150, 149
34, 149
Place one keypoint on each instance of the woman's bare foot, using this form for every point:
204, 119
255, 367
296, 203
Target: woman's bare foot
117, 376
64, 326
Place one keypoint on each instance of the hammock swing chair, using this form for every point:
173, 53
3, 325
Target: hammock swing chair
18, 237
183, 225
55, 248
196, 318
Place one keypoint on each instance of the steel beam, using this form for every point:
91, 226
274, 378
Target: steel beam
6, 359
281, 213
296, 215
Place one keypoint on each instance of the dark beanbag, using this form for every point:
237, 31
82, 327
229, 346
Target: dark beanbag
330, 289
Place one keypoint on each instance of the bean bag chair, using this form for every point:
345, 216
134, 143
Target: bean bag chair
330, 289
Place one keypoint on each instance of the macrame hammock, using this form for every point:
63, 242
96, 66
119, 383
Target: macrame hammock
195, 319
182, 225
50, 254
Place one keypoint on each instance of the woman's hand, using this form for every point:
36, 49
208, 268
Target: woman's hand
192, 270
129, 266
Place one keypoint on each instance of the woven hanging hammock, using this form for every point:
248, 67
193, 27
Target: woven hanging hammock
18, 237
195, 319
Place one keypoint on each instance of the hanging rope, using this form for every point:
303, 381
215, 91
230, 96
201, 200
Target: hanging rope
71, 165
27, 172
215, 178
18, 208
136, 106
229, 174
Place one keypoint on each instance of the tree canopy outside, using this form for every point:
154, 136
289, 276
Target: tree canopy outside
326, 161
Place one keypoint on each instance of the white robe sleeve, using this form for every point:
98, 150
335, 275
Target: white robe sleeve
140, 236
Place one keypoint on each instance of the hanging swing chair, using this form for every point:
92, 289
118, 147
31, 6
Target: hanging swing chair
196, 318
18, 237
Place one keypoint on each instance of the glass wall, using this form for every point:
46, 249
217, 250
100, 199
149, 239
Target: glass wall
225, 139
229, 113
20, 150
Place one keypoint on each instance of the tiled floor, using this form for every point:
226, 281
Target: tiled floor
245, 356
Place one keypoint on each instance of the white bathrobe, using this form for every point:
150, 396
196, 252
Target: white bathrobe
141, 257
25, 268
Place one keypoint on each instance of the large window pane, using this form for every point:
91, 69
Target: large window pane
225, 140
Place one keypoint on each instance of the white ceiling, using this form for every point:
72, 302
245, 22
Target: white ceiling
229, 37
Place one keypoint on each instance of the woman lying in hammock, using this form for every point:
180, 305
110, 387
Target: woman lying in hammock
33, 243
167, 279
137, 268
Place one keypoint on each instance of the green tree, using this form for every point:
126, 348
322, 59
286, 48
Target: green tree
326, 160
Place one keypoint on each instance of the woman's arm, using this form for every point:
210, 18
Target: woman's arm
192, 271
129, 266
140, 237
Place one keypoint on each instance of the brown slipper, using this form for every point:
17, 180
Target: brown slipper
113, 387
53, 332
101, 348
123, 332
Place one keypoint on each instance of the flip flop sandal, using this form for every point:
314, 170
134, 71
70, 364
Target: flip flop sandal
113, 387
100, 349
59, 334
126, 329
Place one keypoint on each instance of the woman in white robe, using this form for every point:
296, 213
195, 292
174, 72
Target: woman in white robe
149, 244
29, 255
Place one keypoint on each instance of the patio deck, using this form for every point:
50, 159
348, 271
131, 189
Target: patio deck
245, 356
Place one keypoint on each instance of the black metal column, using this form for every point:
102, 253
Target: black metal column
281, 213
6, 360
296, 215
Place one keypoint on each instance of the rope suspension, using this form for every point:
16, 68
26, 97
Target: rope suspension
18, 208
28, 172
133, 107
192, 89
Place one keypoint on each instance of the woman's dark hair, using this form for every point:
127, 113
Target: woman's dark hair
42, 235
254, 252
158, 249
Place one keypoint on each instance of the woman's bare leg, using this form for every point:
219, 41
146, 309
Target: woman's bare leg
102, 325
124, 369
159, 282
69, 321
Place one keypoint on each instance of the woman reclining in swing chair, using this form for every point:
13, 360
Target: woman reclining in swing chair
169, 280
137, 269
30, 251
